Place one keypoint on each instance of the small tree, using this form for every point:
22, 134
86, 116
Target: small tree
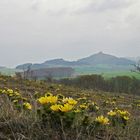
26, 71
137, 67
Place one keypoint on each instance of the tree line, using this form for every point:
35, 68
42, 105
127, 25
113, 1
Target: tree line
120, 84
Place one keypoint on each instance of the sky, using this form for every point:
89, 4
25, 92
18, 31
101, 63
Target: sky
39, 30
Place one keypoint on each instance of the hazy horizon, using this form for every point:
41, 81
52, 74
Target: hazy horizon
41, 61
39, 30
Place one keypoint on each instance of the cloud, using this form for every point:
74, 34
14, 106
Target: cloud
53, 7
106, 5
35, 5
113, 5
33, 30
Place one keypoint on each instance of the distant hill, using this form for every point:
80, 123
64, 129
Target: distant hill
1, 67
62, 62
101, 58
95, 60
136, 59
50, 64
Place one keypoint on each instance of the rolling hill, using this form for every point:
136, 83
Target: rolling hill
101, 58
98, 60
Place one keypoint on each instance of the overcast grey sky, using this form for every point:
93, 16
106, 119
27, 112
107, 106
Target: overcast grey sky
38, 30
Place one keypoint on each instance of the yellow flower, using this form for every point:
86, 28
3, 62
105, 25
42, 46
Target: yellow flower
48, 94
60, 96
67, 107
111, 113
10, 91
83, 98
69, 100
11, 95
0, 90
17, 94
52, 99
83, 106
4, 91
126, 118
42, 100
93, 103
55, 107
107, 102
97, 107
15, 101
48, 99
77, 111
24, 99
65, 100
123, 113
102, 120
27, 106
72, 101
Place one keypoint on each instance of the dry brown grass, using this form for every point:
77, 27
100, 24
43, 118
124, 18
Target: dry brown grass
26, 125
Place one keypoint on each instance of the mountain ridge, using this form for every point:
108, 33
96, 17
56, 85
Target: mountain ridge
92, 60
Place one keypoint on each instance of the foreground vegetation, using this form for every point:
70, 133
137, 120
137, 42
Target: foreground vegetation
36, 110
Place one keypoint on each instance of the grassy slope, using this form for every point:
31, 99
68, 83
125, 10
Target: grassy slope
103, 70
18, 125
121, 73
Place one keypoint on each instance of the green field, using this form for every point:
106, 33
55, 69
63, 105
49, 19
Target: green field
8, 71
105, 72
121, 73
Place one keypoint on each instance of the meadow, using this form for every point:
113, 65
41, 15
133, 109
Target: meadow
105, 72
8, 71
37, 110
